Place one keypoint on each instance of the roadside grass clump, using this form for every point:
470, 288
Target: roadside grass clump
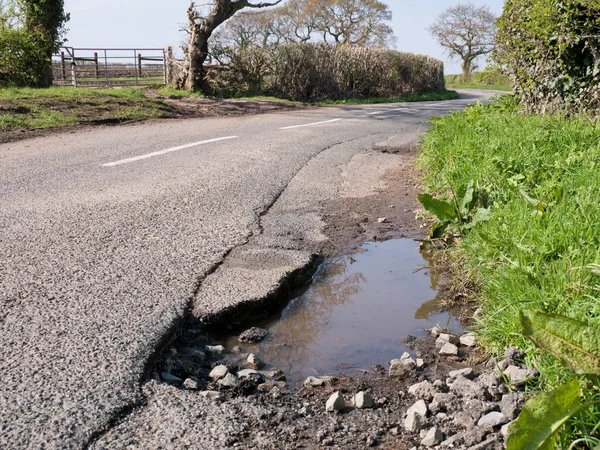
540, 248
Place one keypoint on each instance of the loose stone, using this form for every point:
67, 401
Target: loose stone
447, 337
255, 362
212, 395
215, 350
363, 400
449, 350
424, 390
218, 372
416, 416
228, 381
335, 402
468, 389
510, 405
491, 420
467, 373
253, 335
317, 381
435, 331
518, 377
247, 372
468, 340
433, 437
420, 363
191, 384
401, 368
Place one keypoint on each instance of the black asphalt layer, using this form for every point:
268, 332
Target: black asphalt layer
107, 235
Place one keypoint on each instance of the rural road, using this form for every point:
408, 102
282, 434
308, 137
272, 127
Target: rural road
110, 236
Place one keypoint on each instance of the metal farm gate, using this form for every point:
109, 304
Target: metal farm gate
109, 66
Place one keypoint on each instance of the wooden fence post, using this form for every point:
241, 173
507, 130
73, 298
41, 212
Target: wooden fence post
139, 58
96, 71
62, 66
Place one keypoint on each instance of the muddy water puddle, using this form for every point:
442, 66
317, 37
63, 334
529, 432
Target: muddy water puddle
355, 314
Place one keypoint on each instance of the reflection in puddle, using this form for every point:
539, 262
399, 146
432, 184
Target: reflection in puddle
354, 313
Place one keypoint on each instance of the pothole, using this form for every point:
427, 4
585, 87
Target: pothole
360, 311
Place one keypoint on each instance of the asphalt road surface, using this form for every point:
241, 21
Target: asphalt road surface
107, 236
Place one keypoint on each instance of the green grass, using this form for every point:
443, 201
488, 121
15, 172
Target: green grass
63, 106
481, 80
527, 256
69, 93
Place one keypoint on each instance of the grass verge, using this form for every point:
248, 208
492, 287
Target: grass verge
539, 249
27, 108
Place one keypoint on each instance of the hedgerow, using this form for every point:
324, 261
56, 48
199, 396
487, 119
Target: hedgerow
551, 50
309, 72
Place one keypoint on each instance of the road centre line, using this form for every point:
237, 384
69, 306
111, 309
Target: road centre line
163, 152
383, 112
310, 124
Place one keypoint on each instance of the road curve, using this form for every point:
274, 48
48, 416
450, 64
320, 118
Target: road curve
106, 237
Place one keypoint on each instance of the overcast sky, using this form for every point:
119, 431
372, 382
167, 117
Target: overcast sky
156, 23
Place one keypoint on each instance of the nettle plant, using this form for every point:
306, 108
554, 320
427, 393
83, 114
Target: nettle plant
469, 206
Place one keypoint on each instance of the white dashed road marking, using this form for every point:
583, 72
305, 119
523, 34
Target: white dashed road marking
310, 124
163, 152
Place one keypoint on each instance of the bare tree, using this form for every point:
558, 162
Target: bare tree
201, 28
467, 32
353, 22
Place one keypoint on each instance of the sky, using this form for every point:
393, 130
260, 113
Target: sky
157, 23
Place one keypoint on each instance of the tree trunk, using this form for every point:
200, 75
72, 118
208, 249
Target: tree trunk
193, 75
466, 71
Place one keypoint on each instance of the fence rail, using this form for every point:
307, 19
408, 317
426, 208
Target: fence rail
109, 66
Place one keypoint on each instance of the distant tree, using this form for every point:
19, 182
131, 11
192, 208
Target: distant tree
201, 28
467, 32
353, 22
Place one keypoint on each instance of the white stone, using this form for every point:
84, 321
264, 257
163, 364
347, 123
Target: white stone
215, 350
218, 372
317, 381
228, 381
467, 373
246, 373
212, 395
420, 363
432, 438
382, 220
401, 368
446, 337
406, 355
491, 420
335, 402
416, 416
435, 331
468, 340
449, 350
363, 400
255, 362
191, 383
518, 376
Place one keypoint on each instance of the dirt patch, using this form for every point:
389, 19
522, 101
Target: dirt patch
353, 221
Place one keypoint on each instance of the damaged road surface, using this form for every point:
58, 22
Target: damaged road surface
110, 239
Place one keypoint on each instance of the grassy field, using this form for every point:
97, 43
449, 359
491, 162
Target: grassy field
480, 80
541, 247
